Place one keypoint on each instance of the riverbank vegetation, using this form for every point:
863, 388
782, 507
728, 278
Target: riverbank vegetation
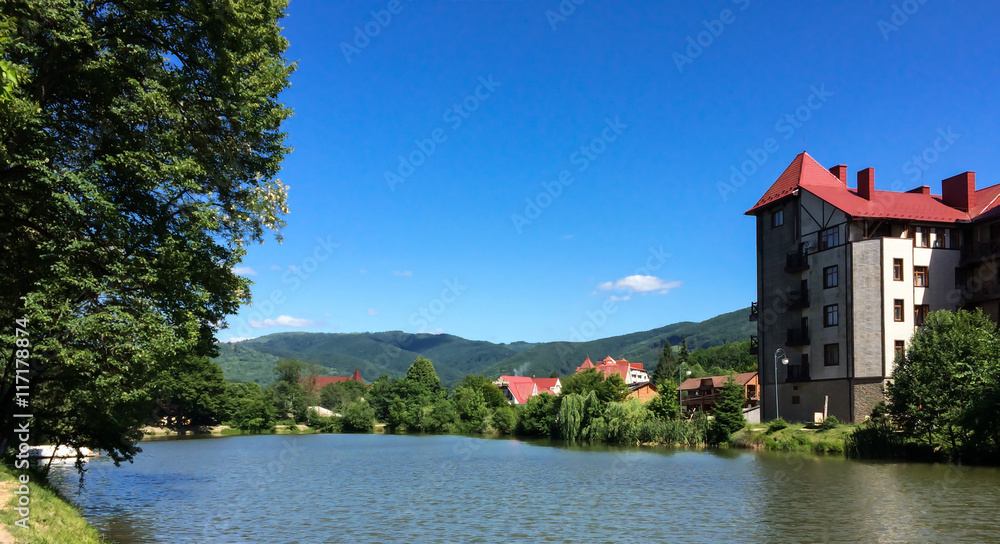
53, 520
944, 400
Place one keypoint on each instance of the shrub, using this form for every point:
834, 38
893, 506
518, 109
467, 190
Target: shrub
359, 417
830, 422
776, 425
504, 419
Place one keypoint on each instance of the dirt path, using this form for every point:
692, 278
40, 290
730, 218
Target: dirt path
6, 494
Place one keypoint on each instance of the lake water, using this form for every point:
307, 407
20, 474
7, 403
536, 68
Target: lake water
382, 488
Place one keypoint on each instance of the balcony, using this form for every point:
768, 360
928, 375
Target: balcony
798, 337
754, 345
753, 311
798, 300
796, 262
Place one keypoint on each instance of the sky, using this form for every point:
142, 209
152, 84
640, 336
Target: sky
545, 170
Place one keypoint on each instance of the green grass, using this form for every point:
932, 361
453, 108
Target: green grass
797, 437
53, 520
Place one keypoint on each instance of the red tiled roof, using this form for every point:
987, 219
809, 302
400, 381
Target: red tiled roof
321, 381
691, 384
807, 174
546, 383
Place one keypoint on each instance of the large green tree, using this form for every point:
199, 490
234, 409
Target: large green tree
945, 392
139, 151
666, 365
728, 412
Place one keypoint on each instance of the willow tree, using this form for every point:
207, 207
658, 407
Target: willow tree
139, 150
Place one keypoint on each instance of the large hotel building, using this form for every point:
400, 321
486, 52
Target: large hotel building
845, 275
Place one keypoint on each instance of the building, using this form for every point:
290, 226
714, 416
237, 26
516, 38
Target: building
644, 391
630, 372
518, 389
704, 393
844, 275
315, 383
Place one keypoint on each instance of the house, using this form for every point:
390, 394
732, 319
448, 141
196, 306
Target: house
642, 391
518, 389
630, 372
846, 274
704, 393
315, 383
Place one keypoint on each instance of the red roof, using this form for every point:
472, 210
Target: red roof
546, 384
523, 388
806, 174
321, 381
610, 366
691, 384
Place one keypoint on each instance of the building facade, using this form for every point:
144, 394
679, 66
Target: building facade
845, 275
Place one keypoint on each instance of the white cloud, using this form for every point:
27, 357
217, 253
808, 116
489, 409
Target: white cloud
282, 321
406, 273
619, 299
275, 267
640, 284
372, 311
244, 271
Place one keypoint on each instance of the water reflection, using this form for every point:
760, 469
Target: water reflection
378, 488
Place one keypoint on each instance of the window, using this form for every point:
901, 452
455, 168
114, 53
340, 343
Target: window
900, 349
938, 235
829, 238
897, 310
778, 218
831, 354
919, 314
830, 277
795, 399
831, 316
922, 237
920, 276
955, 239
897, 269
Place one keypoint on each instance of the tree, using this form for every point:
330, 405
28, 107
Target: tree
945, 389
422, 374
664, 405
193, 391
249, 408
336, 396
684, 356
492, 394
471, 405
538, 416
728, 412
359, 417
607, 388
666, 365
139, 151
290, 398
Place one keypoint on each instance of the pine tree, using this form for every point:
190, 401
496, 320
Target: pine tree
728, 412
666, 365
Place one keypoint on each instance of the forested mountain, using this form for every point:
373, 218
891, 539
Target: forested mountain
392, 352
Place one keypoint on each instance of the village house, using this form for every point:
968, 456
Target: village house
630, 372
518, 389
704, 393
315, 383
845, 275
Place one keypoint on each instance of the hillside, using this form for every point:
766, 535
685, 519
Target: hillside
392, 352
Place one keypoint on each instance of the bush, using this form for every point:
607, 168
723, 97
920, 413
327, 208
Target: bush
322, 424
504, 419
359, 417
830, 422
776, 425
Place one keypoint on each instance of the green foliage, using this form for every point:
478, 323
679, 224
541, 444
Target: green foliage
664, 405
728, 412
729, 358
325, 424
576, 411
946, 390
829, 423
776, 425
538, 416
139, 151
250, 408
191, 392
608, 389
336, 396
289, 370
359, 417
290, 400
666, 365
625, 421
504, 419
492, 395
471, 407
422, 374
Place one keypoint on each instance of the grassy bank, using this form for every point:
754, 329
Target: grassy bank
52, 520
796, 437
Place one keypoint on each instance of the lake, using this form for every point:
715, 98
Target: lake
383, 488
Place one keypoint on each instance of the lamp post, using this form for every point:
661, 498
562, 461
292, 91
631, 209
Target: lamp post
680, 381
780, 352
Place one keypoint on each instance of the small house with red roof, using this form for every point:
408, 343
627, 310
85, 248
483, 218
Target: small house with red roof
315, 383
704, 393
518, 389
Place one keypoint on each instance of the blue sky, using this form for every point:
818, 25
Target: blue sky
540, 170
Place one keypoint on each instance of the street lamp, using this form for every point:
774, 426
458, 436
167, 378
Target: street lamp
680, 381
780, 352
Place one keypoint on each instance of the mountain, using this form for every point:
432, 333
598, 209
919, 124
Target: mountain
393, 352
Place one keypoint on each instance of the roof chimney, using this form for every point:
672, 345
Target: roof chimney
960, 191
841, 172
866, 183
